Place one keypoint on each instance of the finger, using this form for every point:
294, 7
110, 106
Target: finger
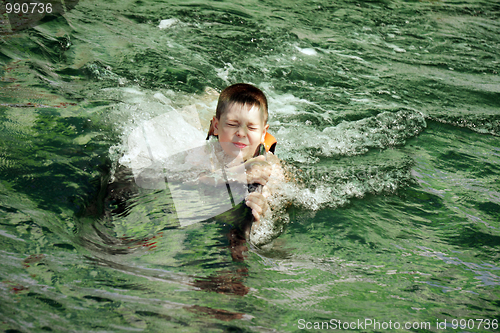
258, 180
257, 172
256, 211
256, 215
260, 170
255, 161
255, 197
256, 202
255, 207
265, 171
260, 174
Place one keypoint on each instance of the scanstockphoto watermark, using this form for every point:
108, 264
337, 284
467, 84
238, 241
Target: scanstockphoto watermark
374, 324
361, 324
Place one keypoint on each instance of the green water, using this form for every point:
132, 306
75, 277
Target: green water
388, 113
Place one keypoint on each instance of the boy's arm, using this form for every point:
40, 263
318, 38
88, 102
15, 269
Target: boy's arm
262, 170
274, 177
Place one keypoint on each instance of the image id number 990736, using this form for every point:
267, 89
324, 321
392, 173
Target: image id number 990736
24, 14
473, 324
28, 8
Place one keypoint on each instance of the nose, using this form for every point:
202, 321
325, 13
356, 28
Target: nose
240, 132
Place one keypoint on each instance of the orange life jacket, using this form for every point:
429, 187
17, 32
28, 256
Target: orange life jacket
270, 142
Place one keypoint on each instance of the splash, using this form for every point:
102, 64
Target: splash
349, 138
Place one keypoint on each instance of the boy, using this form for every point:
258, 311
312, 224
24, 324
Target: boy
240, 124
199, 177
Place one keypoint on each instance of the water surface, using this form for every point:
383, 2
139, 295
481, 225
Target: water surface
386, 112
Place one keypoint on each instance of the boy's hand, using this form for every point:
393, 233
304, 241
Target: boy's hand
258, 204
258, 170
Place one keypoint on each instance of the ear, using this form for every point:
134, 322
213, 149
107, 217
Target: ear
262, 139
215, 126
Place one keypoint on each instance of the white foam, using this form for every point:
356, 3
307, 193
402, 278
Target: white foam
285, 104
307, 51
134, 91
396, 48
350, 138
165, 24
223, 73
159, 96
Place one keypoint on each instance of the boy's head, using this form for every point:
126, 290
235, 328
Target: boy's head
243, 94
240, 120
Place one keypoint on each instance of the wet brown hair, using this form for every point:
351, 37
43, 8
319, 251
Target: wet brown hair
240, 93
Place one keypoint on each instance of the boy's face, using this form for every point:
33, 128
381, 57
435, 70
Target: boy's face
240, 130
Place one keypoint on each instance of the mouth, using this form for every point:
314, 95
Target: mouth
239, 145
